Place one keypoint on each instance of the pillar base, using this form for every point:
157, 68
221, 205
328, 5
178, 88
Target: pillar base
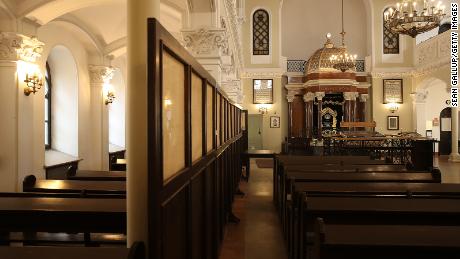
454, 157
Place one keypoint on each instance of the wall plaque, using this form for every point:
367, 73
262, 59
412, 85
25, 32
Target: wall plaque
263, 91
392, 91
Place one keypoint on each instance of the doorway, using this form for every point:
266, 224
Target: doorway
255, 129
445, 144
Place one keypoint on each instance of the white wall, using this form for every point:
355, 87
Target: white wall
306, 22
64, 101
117, 108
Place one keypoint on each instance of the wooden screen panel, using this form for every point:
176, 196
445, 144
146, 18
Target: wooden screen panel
243, 121
197, 117
173, 116
222, 119
219, 123
209, 112
232, 128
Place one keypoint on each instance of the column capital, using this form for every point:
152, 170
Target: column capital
308, 97
419, 97
290, 98
15, 46
320, 95
206, 41
350, 96
100, 74
363, 97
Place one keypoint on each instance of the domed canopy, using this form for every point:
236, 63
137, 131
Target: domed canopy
320, 60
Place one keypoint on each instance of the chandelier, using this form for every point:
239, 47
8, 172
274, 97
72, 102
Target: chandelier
344, 61
412, 18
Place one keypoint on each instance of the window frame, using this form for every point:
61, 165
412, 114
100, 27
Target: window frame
267, 24
48, 96
386, 31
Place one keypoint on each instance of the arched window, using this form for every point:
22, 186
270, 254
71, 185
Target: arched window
390, 39
47, 107
261, 33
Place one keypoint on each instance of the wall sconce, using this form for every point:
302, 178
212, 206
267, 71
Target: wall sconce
109, 94
263, 108
393, 107
34, 82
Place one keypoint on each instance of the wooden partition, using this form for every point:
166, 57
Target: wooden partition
194, 147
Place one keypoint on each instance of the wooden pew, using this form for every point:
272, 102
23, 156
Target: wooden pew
404, 177
285, 160
359, 189
58, 215
348, 168
373, 211
137, 251
85, 175
385, 241
30, 184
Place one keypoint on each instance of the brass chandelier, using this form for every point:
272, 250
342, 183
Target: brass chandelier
344, 61
413, 17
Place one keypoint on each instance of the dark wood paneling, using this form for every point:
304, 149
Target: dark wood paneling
187, 214
298, 117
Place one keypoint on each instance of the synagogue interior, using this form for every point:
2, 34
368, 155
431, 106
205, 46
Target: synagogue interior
229, 129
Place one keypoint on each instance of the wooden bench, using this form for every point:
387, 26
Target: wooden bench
85, 175
362, 177
334, 189
30, 184
137, 251
58, 215
372, 211
385, 241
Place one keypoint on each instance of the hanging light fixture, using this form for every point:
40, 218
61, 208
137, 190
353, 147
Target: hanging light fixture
413, 17
343, 61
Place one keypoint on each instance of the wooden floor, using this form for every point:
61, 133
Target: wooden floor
259, 235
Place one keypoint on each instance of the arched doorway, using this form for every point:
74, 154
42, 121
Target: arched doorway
445, 144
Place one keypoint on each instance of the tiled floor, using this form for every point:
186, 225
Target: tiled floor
258, 235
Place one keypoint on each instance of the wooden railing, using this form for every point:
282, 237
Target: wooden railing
194, 145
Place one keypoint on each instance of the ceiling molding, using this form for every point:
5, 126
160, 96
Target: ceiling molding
6, 5
115, 46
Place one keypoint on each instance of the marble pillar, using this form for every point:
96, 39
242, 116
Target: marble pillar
349, 99
319, 97
309, 98
136, 118
363, 100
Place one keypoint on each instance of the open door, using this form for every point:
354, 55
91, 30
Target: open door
255, 128
445, 144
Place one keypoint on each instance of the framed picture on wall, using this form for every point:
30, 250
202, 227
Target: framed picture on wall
262, 91
392, 122
429, 133
274, 121
392, 91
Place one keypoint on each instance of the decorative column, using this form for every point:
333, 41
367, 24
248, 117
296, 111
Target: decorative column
210, 47
99, 76
290, 98
308, 98
454, 155
136, 120
22, 134
363, 100
319, 96
354, 102
349, 97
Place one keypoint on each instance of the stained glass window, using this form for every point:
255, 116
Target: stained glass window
261, 33
390, 39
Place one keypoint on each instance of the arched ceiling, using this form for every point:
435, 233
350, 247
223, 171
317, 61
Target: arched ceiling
105, 21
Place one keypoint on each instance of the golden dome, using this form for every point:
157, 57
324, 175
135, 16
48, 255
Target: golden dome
320, 60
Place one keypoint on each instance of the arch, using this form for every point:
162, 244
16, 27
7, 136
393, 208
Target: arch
261, 32
64, 123
48, 11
